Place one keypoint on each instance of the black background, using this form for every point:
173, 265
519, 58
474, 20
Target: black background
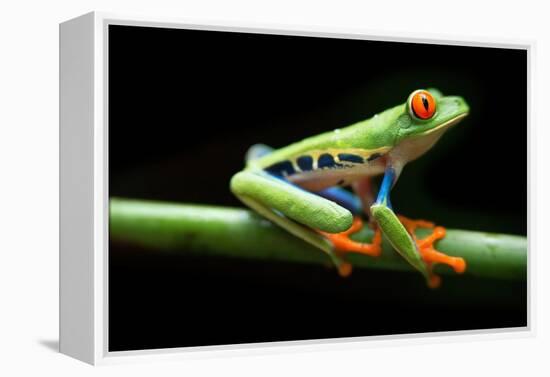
184, 106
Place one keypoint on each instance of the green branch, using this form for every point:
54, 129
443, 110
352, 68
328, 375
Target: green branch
234, 232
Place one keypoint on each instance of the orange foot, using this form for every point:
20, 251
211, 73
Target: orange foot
343, 244
429, 254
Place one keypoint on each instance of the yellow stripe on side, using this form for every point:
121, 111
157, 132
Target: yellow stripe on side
334, 152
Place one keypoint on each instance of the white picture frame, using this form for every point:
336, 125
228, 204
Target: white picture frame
84, 190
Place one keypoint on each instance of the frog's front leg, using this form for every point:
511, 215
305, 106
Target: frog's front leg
426, 245
420, 253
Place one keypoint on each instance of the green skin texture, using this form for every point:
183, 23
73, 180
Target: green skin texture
299, 211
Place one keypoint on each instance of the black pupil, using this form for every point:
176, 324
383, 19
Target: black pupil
425, 102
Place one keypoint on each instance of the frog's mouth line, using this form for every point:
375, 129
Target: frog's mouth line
449, 123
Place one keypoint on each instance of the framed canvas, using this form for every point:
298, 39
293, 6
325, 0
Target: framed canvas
178, 237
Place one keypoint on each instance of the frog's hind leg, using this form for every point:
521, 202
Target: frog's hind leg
355, 204
344, 244
343, 197
426, 248
296, 210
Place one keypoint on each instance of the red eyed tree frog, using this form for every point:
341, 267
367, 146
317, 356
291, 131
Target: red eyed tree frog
301, 187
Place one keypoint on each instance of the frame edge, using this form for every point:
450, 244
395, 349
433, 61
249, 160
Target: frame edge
76, 195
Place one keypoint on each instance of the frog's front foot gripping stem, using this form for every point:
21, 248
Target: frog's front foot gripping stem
344, 244
427, 251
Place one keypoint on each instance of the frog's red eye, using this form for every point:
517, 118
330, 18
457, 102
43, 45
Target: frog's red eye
422, 104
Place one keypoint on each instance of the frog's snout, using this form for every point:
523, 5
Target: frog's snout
461, 107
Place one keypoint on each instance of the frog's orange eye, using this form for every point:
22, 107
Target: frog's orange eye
422, 104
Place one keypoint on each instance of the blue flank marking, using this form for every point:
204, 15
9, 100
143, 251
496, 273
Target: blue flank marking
343, 197
281, 168
387, 183
327, 161
305, 163
351, 158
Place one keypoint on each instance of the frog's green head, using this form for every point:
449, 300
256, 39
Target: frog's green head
428, 112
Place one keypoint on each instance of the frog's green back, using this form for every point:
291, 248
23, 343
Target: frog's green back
371, 134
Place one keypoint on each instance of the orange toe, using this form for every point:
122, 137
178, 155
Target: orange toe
427, 251
344, 244
430, 255
434, 281
344, 270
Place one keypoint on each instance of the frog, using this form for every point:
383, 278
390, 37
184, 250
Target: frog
321, 188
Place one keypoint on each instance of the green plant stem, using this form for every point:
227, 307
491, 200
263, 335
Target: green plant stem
235, 232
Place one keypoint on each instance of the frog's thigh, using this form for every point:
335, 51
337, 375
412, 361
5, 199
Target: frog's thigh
302, 206
343, 197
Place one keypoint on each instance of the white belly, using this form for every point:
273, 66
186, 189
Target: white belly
318, 180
